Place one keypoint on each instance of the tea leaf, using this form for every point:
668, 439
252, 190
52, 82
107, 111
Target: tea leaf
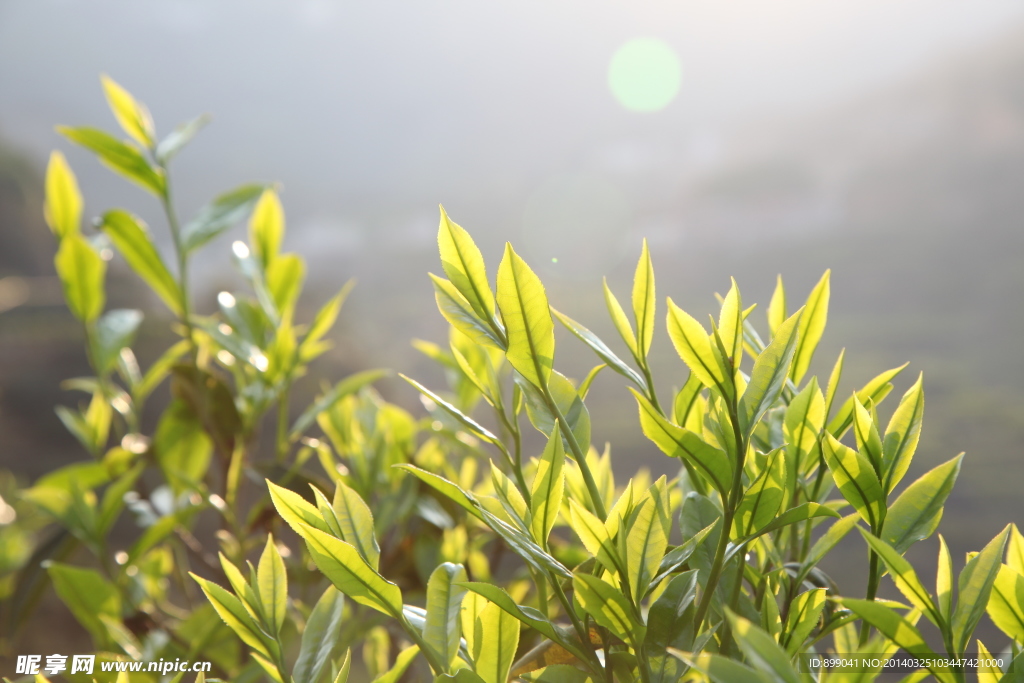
644, 301
63, 208
266, 227
444, 602
769, 374
856, 480
122, 157
464, 265
762, 651
974, 586
219, 215
548, 487
694, 347
273, 585
902, 435
601, 349
524, 308
133, 242
81, 272
320, 638
905, 578
915, 514
132, 116
606, 604
812, 326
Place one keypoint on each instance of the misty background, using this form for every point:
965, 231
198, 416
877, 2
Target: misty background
883, 139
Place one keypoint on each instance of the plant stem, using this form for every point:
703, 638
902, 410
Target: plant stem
414, 634
873, 577
282, 424
179, 249
578, 454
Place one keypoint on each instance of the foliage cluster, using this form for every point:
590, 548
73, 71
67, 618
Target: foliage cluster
440, 548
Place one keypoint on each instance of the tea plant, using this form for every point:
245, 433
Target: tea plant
481, 561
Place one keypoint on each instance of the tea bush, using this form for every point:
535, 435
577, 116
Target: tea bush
441, 548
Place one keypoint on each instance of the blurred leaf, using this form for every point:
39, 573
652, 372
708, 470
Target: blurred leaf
524, 308
88, 595
159, 370
63, 208
915, 515
777, 306
266, 228
312, 345
122, 157
402, 663
349, 385
644, 301
132, 240
444, 601
721, 669
285, 276
569, 403
219, 215
115, 330
812, 326
81, 272
132, 116
179, 137
211, 401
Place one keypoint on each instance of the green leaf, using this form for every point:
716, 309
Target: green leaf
495, 641
1015, 550
527, 615
644, 301
868, 441
762, 499
211, 401
769, 374
234, 615
569, 403
801, 427
219, 215
874, 391
285, 276
812, 326
464, 265
131, 238
685, 401
273, 584
679, 442
132, 116
833, 382
444, 601
974, 586
902, 435
472, 425
594, 535
347, 386
159, 370
266, 227
319, 639
63, 208
356, 522
81, 272
777, 306
675, 558
761, 650
803, 616
730, 324
620, 320
670, 624
824, 545
311, 345
114, 331
606, 604
122, 157
897, 629
524, 308
460, 676
646, 541
916, 513
944, 580
464, 500
800, 513
601, 349
722, 669
856, 480
349, 572
182, 448
695, 348
548, 487
295, 510
88, 595
401, 665
1006, 603
459, 312
179, 137
905, 578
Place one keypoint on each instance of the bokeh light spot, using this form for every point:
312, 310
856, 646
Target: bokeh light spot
644, 74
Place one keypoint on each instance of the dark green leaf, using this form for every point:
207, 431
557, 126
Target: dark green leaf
219, 215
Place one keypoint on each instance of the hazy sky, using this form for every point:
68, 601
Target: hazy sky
357, 105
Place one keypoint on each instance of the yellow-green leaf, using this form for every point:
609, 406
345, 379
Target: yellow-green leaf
273, 584
524, 308
606, 604
695, 348
131, 115
131, 238
902, 435
495, 639
620, 320
856, 480
812, 326
730, 324
644, 301
81, 272
548, 487
1006, 604
63, 208
266, 227
777, 306
464, 265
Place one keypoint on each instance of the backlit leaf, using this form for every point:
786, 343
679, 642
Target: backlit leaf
63, 208
132, 240
524, 309
81, 272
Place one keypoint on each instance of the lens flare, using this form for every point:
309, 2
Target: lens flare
644, 75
